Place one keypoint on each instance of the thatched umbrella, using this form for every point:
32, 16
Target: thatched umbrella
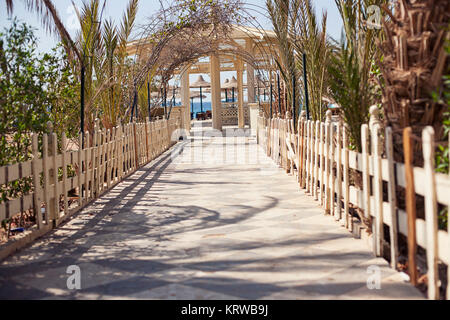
232, 84
225, 89
200, 83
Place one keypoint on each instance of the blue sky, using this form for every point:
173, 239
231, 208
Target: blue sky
116, 8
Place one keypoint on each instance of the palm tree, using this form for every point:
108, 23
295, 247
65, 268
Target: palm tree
310, 39
108, 69
99, 55
413, 66
298, 32
51, 21
279, 11
352, 68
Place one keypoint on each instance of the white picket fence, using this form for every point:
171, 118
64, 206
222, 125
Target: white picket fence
320, 158
106, 159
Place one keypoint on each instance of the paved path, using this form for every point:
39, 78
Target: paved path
190, 227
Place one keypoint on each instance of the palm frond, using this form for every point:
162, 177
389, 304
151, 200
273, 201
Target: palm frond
51, 22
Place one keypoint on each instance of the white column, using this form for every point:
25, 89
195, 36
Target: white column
250, 73
240, 81
185, 98
215, 92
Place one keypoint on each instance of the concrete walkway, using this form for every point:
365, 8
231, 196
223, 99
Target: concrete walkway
206, 224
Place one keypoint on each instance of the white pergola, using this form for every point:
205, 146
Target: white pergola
255, 43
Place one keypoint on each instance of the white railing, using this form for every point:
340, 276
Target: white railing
320, 158
108, 157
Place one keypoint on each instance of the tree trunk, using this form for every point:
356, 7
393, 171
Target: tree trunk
413, 67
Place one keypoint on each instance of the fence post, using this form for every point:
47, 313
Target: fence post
116, 145
431, 217
54, 201
366, 174
292, 142
287, 131
327, 161
94, 161
392, 198
102, 160
316, 159
322, 164
36, 182
109, 162
146, 140
307, 154
121, 154
277, 140
299, 148
301, 142
64, 170
332, 176
80, 170
410, 204
46, 170
348, 218
377, 180
87, 160
338, 214
311, 157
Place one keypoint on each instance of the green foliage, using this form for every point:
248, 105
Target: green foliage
349, 90
34, 89
443, 153
311, 38
63, 93
103, 47
442, 156
353, 73
23, 83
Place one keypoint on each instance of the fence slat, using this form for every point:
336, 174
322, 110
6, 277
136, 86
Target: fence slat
45, 168
378, 190
311, 158
410, 204
366, 176
332, 177
327, 162
431, 218
339, 171
64, 171
36, 182
54, 207
322, 159
316, 159
80, 170
88, 167
392, 198
348, 218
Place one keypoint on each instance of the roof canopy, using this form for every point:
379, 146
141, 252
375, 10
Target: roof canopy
200, 82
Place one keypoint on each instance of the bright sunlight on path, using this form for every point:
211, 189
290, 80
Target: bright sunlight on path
190, 227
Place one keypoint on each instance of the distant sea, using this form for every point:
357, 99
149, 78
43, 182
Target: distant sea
206, 106
196, 107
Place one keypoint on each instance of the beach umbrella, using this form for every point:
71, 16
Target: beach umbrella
225, 89
233, 84
200, 83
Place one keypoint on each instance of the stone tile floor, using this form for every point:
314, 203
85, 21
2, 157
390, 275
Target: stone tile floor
213, 218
